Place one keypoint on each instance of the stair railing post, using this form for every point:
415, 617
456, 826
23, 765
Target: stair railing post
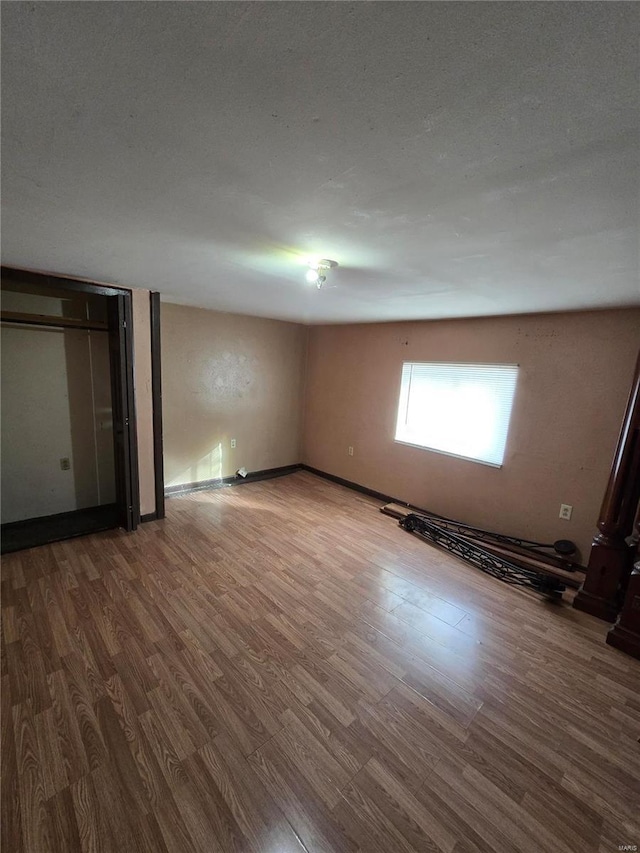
611, 558
625, 634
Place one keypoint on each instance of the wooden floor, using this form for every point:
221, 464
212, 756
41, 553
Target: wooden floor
278, 667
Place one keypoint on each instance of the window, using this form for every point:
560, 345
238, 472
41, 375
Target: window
460, 409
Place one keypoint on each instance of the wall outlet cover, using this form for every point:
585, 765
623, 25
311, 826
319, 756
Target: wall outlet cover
565, 511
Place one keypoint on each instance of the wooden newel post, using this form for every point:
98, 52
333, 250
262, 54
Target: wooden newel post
625, 634
611, 557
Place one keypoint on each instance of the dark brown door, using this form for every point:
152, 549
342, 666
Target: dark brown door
124, 421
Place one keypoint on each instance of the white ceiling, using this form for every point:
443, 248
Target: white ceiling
457, 159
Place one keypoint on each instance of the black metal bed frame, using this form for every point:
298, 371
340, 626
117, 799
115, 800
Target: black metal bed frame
437, 532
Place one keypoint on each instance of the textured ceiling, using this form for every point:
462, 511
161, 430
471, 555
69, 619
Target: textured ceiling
457, 159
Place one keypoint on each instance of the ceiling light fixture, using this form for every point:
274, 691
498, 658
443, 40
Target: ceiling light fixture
317, 269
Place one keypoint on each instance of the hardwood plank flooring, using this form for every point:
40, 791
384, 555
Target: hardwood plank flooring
280, 668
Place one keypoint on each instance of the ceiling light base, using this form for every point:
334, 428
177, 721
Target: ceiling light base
315, 273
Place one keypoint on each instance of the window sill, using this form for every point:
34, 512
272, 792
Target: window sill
446, 453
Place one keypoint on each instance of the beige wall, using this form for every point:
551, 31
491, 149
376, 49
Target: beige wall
36, 427
56, 403
227, 376
144, 401
575, 375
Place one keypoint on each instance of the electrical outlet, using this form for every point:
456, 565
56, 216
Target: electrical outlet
233, 443
350, 451
65, 463
565, 511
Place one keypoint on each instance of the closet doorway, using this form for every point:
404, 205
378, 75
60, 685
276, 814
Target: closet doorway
69, 449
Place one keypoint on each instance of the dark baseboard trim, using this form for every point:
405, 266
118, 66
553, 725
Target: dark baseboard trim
150, 516
372, 493
222, 482
34, 532
356, 487
56, 517
270, 473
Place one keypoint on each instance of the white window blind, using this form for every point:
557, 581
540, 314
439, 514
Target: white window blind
460, 409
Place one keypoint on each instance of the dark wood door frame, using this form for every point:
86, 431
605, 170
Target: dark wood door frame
123, 408
121, 344
156, 396
48, 281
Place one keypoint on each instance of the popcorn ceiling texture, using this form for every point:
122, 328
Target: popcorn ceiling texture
456, 159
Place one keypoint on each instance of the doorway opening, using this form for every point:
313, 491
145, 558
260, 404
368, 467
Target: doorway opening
69, 451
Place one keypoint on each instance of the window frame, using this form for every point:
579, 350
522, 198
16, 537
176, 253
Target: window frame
448, 452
